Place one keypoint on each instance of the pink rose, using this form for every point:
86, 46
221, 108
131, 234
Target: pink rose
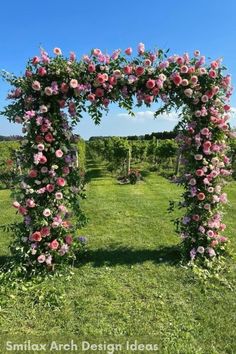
127, 70
64, 87
61, 182
139, 71
41, 258
50, 188
99, 92
36, 236
36, 85
49, 137
42, 71
141, 48
212, 74
57, 51
30, 203
16, 204
45, 231
201, 196
177, 80
33, 173
22, 210
91, 68
150, 84
46, 212
128, 51
66, 170
35, 60
91, 97
69, 239
199, 172
97, 52
73, 83
59, 195
59, 153
54, 245
48, 91
42, 160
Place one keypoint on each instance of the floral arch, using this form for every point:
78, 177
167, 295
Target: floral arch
49, 100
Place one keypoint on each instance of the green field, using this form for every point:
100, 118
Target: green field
130, 283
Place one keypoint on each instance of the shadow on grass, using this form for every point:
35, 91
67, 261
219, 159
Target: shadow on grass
4, 259
128, 256
93, 171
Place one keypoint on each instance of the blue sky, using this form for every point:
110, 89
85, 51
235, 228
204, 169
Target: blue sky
183, 25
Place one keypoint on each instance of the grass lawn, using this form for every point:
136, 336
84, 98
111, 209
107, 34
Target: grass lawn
130, 283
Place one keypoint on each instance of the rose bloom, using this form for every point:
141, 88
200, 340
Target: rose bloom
43, 109
44, 169
127, 70
199, 172
48, 91
91, 68
54, 245
139, 71
33, 173
207, 206
45, 231
41, 258
42, 71
66, 170
99, 92
73, 83
192, 181
188, 92
196, 217
177, 80
50, 188
40, 147
91, 97
150, 84
210, 233
30, 203
184, 69
35, 60
46, 212
97, 52
200, 249
22, 210
59, 195
201, 196
210, 189
184, 82
69, 239
57, 51
204, 98
61, 182
59, 153
49, 137
64, 87
128, 51
36, 85
212, 74
36, 236
15, 204
148, 99
42, 160
198, 157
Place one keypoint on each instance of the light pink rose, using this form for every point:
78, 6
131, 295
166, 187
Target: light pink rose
59, 153
36, 85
